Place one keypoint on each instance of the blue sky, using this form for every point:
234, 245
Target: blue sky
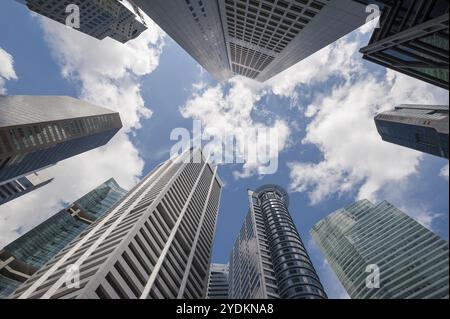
329, 152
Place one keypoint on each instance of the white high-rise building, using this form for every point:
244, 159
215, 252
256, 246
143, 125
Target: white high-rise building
218, 281
156, 243
254, 38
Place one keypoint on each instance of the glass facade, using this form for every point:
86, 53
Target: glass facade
412, 39
424, 128
269, 259
21, 186
42, 243
412, 261
39, 131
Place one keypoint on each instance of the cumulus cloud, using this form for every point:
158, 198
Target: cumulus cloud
107, 73
6, 69
341, 126
228, 108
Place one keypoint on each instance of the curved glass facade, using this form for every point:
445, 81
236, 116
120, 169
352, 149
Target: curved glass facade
269, 259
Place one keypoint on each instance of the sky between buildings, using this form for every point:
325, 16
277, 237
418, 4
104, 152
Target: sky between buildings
329, 151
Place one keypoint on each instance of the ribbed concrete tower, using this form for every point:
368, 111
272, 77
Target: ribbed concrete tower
156, 243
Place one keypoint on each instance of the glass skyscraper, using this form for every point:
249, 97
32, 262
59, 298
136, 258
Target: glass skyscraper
21, 186
120, 20
31, 251
218, 281
412, 39
420, 127
363, 239
39, 131
155, 244
269, 259
256, 39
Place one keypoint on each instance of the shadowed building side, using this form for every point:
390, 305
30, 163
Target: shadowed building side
412, 39
256, 39
420, 127
39, 131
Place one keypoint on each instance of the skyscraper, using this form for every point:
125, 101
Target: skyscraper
269, 259
39, 131
21, 186
420, 127
412, 39
363, 238
24, 256
218, 281
155, 244
258, 38
120, 20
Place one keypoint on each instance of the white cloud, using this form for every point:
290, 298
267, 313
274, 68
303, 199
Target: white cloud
107, 70
108, 74
6, 69
444, 172
228, 108
425, 217
342, 128
334, 60
346, 96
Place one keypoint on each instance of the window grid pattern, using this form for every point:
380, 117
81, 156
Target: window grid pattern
269, 24
248, 62
142, 236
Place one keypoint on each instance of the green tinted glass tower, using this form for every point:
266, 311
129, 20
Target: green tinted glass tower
24, 256
363, 239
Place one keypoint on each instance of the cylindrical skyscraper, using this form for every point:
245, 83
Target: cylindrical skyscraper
269, 259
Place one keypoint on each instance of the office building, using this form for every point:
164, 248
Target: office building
24, 256
379, 252
155, 244
258, 38
23, 185
412, 39
218, 281
39, 131
120, 20
420, 127
268, 259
